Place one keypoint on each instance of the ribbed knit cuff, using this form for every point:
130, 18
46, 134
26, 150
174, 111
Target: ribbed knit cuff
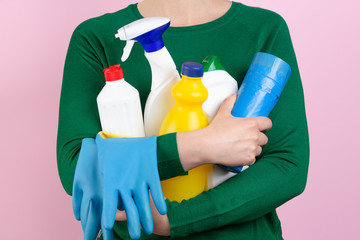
169, 163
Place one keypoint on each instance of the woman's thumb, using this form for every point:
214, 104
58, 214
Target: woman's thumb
227, 105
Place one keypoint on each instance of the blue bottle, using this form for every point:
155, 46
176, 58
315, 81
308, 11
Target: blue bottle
260, 89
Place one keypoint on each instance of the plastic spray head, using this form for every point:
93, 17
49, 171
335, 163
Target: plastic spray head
147, 31
212, 63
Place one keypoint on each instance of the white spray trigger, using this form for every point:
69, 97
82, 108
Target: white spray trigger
127, 49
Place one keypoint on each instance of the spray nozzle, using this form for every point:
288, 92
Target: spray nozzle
147, 31
127, 50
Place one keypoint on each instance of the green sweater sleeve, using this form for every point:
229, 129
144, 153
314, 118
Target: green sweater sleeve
279, 174
83, 79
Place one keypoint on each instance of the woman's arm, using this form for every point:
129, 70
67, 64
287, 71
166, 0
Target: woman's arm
241, 146
279, 174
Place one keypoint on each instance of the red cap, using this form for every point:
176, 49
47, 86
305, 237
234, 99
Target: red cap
113, 73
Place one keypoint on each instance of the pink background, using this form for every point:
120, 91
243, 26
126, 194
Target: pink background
34, 38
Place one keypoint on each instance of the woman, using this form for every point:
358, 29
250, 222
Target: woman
244, 206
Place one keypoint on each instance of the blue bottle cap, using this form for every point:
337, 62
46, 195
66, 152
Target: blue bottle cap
272, 67
192, 69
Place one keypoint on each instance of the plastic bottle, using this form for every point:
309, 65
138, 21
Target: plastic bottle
187, 115
119, 105
259, 93
219, 83
148, 31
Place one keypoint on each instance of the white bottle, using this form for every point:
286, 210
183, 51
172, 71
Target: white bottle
220, 85
148, 31
119, 105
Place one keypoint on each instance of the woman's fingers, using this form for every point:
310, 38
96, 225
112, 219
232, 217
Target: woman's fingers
120, 215
258, 150
264, 123
227, 105
263, 139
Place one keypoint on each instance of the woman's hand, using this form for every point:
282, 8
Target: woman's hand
160, 222
228, 140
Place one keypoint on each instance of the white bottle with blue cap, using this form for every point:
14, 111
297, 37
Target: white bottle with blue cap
148, 31
257, 96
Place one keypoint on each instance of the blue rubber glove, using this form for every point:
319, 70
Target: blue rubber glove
129, 167
87, 190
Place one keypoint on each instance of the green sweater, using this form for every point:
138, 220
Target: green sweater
242, 207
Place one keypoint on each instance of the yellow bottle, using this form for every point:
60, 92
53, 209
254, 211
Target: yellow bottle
187, 115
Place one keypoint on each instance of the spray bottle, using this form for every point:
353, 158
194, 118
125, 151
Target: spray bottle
187, 115
148, 31
119, 106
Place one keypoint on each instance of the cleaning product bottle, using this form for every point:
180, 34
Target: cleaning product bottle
119, 105
187, 115
258, 94
219, 83
148, 31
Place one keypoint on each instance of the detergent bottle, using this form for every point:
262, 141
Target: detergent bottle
148, 31
258, 95
187, 115
219, 83
119, 105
